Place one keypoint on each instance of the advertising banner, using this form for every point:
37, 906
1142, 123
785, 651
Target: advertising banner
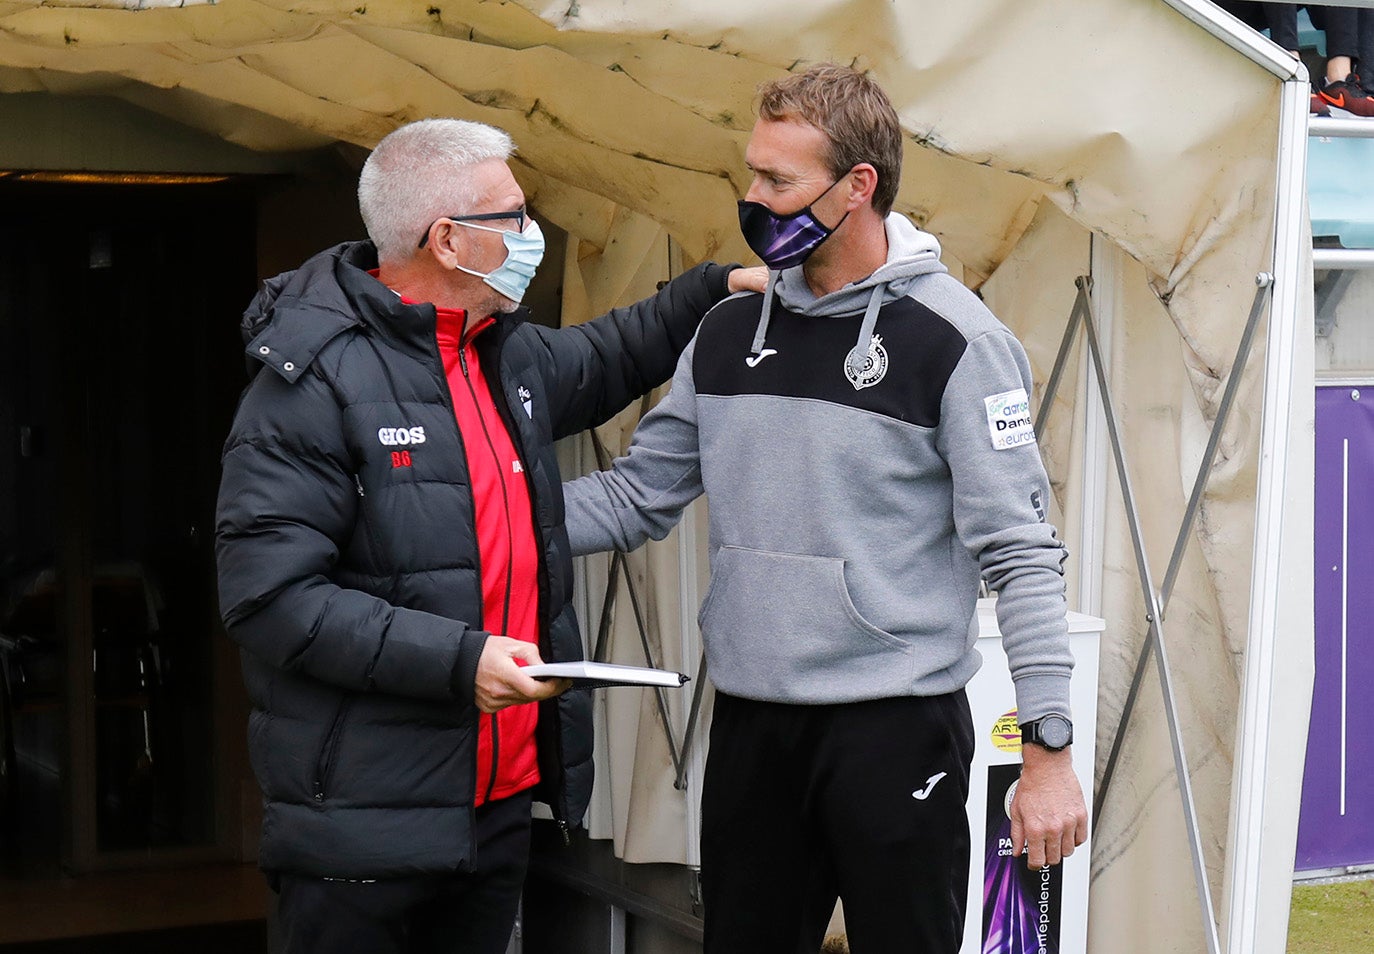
1336, 822
1013, 909
1021, 906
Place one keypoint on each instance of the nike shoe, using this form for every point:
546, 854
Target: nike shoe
1347, 98
1318, 106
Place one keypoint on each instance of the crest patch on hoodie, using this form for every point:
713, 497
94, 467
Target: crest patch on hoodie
864, 371
1009, 419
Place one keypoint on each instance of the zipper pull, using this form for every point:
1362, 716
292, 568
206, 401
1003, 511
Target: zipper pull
319, 790
463, 357
358, 482
563, 830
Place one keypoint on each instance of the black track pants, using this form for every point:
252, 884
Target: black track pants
439, 914
864, 801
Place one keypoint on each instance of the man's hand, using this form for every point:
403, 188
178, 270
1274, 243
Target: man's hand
753, 279
500, 682
1048, 817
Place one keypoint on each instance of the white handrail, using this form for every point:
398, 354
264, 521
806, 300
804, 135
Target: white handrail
1330, 127
1342, 258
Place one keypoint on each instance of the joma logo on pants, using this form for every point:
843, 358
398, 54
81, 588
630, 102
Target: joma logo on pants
402, 436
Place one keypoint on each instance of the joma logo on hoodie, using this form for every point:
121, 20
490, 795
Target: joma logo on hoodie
401, 436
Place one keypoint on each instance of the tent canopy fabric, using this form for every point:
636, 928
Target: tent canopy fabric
653, 106
1044, 141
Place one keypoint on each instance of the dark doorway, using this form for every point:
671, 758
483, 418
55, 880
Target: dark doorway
119, 371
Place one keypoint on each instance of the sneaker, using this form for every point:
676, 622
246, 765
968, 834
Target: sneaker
1318, 106
1347, 98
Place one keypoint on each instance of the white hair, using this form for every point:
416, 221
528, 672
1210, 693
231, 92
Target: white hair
421, 172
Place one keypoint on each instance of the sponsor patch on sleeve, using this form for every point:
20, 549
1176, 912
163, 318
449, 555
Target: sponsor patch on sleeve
1009, 419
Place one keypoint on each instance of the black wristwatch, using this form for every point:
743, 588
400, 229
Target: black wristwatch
1053, 732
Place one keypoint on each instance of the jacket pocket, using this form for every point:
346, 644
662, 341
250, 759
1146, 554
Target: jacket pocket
329, 751
783, 627
374, 549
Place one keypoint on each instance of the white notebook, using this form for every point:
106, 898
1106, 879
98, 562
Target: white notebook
594, 675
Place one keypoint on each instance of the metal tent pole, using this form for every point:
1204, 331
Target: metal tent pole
1080, 303
690, 768
660, 694
1156, 633
1082, 312
1264, 281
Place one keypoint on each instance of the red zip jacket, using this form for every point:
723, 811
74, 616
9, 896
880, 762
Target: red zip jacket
507, 552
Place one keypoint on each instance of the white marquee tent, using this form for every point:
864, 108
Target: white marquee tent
1154, 145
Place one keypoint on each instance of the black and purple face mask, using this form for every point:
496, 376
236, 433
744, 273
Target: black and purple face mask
783, 241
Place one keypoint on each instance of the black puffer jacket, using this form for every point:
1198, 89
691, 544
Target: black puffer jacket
353, 587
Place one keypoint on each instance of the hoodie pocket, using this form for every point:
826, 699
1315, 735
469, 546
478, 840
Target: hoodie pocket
783, 627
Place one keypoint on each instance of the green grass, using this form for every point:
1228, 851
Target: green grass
1332, 919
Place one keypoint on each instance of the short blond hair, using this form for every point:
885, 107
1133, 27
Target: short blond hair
855, 114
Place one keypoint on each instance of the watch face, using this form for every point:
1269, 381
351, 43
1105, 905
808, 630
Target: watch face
1056, 731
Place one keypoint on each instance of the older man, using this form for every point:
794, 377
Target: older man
391, 549
862, 433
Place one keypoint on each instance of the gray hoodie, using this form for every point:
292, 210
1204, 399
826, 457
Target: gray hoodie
867, 455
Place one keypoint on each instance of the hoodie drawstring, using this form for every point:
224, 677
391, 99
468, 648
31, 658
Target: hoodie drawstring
858, 357
762, 331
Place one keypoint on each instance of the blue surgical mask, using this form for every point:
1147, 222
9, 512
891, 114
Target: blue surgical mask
524, 252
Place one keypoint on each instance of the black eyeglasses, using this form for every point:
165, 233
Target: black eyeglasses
518, 214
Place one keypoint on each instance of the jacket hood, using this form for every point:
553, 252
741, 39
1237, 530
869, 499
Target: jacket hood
911, 253
315, 278
295, 314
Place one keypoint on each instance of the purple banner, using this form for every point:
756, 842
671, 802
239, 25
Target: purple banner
1336, 825
1021, 907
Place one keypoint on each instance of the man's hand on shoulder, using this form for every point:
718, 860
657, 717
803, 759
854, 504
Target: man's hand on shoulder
500, 683
1048, 816
753, 279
